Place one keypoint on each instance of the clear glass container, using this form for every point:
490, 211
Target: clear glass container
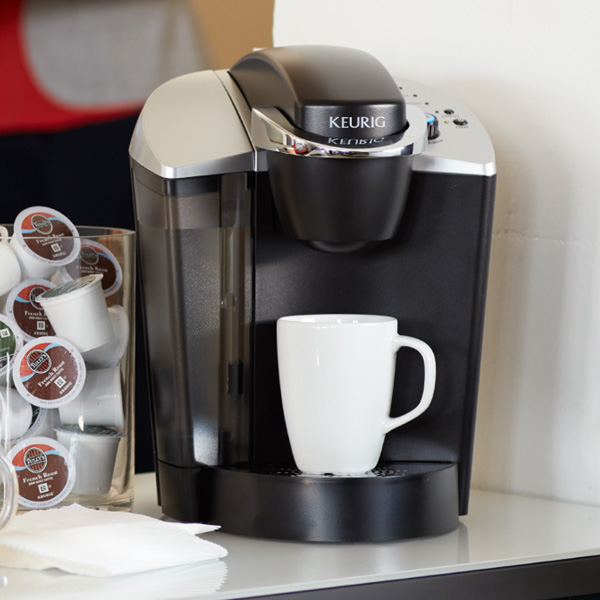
67, 348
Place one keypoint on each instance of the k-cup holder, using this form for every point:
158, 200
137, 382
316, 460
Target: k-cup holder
67, 326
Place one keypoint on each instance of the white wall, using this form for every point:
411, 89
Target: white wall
531, 71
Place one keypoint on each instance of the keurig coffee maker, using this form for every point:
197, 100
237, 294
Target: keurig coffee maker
307, 180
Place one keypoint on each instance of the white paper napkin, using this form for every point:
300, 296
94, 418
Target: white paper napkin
100, 543
175, 583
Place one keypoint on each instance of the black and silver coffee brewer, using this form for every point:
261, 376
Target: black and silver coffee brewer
307, 180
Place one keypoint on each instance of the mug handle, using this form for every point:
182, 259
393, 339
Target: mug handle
10, 485
399, 341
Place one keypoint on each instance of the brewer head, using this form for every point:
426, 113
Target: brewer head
338, 138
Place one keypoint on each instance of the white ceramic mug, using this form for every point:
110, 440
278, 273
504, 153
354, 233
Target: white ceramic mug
337, 376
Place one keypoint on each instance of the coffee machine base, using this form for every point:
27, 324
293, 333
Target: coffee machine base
397, 500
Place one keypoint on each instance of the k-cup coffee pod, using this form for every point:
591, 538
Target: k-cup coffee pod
94, 258
23, 306
11, 341
99, 403
45, 421
94, 450
78, 312
43, 241
16, 416
45, 471
110, 353
10, 270
9, 499
49, 372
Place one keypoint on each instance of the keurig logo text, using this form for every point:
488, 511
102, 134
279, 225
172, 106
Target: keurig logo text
356, 122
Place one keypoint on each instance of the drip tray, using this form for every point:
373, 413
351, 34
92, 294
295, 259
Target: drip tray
397, 500
394, 469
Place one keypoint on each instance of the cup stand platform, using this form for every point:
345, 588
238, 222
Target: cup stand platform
397, 500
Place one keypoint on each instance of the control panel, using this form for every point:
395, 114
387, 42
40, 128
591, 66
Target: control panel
457, 141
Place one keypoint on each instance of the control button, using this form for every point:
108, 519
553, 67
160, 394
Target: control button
449, 111
432, 126
460, 122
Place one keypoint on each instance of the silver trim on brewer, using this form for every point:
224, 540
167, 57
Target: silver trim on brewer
189, 127
199, 124
271, 131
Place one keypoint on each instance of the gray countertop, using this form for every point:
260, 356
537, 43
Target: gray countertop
502, 534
